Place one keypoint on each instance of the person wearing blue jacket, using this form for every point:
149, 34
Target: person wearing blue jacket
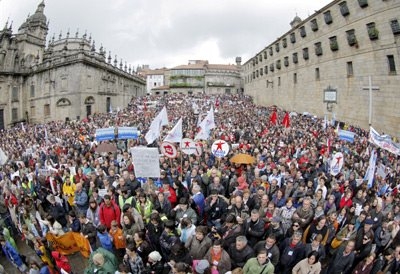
105, 238
12, 255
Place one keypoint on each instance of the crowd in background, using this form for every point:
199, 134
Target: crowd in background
285, 213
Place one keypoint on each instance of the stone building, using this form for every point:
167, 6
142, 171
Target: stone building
68, 79
198, 76
335, 51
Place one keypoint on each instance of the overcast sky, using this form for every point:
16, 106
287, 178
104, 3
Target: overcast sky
169, 32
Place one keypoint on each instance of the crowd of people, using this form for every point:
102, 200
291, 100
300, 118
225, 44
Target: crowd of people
285, 213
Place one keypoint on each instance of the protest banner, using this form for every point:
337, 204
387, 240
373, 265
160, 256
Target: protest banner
146, 162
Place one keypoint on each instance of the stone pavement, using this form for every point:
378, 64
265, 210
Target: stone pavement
77, 261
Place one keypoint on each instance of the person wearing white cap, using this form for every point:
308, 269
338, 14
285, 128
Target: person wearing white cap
154, 264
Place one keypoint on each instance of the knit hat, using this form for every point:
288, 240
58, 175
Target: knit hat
155, 256
201, 266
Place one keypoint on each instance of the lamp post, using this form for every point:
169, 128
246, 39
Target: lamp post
330, 98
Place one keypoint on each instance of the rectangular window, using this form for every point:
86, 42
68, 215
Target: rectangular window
373, 32
295, 78
271, 67
278, 64
363, 3
284, 42
351, 37
392, 64
266, 70
303, 31
305, 54
318, 48
350, 72
394, 24
32, 90
344, 10
328, 17
14, 114
14, 96
333, 43
286, 61
295, 58
293, 38
277, 47
317, 76
46, 110
33, 111
279, 81
314, 25
261, 71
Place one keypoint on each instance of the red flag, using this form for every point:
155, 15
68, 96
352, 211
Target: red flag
217, 103
144, 104
328, 144
273, 118
286, 120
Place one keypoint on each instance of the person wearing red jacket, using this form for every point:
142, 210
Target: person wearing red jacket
61, 261
346, 200
169, 191
109, 211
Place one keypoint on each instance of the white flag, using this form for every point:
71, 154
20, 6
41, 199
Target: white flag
163, 117
23, 128
325, 123
175, 135
156, 125
203, 134
208, 122
370, 174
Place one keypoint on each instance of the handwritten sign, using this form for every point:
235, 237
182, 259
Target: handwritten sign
146, 161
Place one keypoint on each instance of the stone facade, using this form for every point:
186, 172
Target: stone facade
68, 79
200, 77
338, 48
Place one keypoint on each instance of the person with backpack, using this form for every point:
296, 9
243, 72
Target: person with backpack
109, 211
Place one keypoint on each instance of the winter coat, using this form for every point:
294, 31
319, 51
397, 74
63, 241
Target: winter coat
196, 248
110, 263
303, 267
12, 254
272, 253
240, 257
88, 229
109, 213
252, 266
253, 231
224, 264
61, 261
105, 240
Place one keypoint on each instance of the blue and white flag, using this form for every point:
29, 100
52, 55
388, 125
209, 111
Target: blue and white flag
369, 175
128, 133
103, 134
346, 135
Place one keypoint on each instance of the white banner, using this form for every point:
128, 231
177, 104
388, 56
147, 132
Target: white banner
383, 141
146, 162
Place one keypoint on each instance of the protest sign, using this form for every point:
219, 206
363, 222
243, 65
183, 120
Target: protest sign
146, 161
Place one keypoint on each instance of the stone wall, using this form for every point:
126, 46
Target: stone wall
297, 86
